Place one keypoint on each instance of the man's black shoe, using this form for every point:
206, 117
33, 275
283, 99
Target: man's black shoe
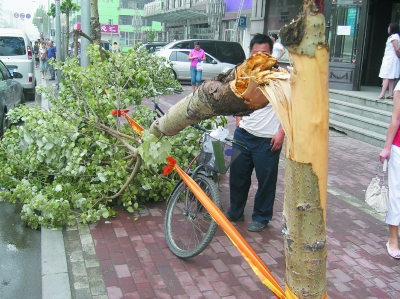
52, 79
230, 218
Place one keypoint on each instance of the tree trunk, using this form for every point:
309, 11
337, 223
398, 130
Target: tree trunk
66, 43
306, 169
230, 93
95, 23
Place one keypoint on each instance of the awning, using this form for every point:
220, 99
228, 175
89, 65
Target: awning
176, 15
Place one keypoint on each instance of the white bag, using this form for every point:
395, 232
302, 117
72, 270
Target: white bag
199, 66
376, 195
219, 133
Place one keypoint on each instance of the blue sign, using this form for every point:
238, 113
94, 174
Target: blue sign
28, 16
242, 21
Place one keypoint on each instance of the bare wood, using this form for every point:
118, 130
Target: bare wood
306, 170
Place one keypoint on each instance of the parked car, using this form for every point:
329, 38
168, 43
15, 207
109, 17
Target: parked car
153, 47
11, 94
224, 51
181, 64
16, 53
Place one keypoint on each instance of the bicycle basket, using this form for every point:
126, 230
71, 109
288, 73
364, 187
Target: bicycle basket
217, 155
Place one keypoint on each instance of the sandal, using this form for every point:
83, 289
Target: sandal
393, 253
389, 97
381, 98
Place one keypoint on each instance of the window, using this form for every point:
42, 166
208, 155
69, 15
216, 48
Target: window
182, 56
125, 20
12, 46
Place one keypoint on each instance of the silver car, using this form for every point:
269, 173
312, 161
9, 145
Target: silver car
11, 95
181, 64
17, 54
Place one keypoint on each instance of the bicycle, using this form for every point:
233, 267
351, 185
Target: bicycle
188, 227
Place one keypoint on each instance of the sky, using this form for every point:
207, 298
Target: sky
26, 7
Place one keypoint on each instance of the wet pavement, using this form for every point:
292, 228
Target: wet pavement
20, 261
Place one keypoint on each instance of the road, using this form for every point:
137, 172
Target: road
20, 262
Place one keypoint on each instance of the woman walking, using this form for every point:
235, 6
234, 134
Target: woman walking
390, 68
43, 59
196, 55
391, 152
278, 50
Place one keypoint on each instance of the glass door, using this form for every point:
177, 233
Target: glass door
344, 30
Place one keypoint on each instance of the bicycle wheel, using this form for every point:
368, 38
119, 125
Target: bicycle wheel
188, 226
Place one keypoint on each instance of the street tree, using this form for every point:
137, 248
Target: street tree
41, 20
67, 7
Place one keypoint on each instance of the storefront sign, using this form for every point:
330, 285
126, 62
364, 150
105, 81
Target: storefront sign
105, 28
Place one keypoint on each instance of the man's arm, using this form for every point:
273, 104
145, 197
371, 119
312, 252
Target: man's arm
277, 140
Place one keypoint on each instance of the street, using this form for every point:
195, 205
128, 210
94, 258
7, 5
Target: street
20, 262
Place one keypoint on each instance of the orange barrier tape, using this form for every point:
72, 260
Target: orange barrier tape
251, 257
135, 126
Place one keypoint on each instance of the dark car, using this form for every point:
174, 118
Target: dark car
11, 95
153, 47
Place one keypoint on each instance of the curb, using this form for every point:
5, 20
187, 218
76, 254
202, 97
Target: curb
55, 279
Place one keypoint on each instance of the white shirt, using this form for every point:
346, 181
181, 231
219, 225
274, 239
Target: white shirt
261, 123
277, 49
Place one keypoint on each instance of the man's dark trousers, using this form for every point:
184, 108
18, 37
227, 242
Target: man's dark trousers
258, 155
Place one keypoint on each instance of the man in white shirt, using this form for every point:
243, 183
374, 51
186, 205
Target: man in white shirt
263, 137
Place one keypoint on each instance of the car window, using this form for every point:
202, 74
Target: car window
12, 46
230, 52
209, 59
182, 56
184, 45
172, 57
5, 74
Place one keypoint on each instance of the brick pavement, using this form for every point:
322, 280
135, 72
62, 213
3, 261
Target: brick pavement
135, 262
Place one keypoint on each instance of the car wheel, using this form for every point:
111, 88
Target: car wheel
3, 124
22, 98
174, 75
30, 94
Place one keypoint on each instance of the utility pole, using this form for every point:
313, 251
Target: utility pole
110, 22
86, 27
58, 38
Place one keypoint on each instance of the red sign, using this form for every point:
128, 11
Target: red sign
105, 28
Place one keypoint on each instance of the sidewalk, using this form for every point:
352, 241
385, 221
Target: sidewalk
127, 256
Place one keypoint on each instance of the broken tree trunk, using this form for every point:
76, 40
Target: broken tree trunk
237, 92
306, 170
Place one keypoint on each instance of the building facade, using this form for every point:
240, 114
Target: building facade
122, 22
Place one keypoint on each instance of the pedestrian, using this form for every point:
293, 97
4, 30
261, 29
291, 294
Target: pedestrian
36, 53
278, 50
195, 56
43, 59
115, 48
52, 51
391, 152
390, 68
262, 136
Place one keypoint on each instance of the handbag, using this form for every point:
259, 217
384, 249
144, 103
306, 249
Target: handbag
376, 195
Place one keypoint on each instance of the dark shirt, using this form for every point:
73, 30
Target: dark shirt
51, 52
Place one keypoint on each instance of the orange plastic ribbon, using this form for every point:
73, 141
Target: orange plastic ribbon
135, 126
251, 257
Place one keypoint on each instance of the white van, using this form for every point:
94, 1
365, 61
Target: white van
17, 54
